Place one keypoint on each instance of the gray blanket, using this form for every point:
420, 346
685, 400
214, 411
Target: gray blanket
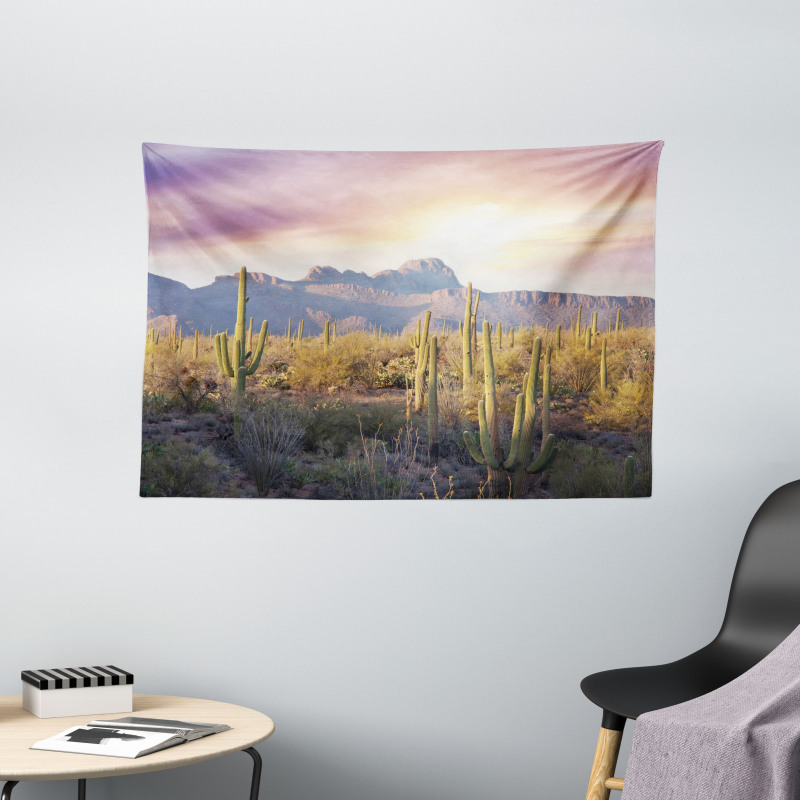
740, 742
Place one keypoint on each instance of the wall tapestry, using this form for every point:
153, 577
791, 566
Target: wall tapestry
399, 325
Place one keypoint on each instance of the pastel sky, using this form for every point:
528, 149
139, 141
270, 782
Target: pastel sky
575, 219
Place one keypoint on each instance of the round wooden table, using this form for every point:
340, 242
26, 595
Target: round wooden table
19, 729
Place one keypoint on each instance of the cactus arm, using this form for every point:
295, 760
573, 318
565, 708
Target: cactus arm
223, 357
474, 449
513, 452
240, 380
433, 400
422, 362
531, 387
466, 338
237, 357
546, 401
603, 368
486, 440
259, 351
549, 452
239, 330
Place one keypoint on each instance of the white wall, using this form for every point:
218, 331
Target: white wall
415, 650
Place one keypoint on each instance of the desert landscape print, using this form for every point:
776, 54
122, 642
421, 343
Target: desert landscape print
399, 325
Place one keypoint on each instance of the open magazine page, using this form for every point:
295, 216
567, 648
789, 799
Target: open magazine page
119, 742
187, 730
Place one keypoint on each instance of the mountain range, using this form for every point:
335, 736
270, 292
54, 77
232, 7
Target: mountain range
393, 298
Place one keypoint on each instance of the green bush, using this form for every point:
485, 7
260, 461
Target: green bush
179, 469
267, 437
583, 470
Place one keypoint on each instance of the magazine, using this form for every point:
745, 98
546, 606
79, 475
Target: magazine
127, 737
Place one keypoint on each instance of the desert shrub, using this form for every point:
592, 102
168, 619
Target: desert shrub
330, 426
451, 355
276, 372
511, 365
381, 420
380, 470
185, 383
345, 364
267, 437
629, 406
452, 414
582, 470
176, 468
394, 373
643, 465
156, 405
576, 369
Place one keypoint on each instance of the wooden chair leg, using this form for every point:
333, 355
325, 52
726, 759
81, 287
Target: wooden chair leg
605, 761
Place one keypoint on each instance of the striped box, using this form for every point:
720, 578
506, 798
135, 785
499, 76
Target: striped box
74, 691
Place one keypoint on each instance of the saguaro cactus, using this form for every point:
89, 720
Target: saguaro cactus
486, 449
466, 344
629, 476
422, 346
558, 337
196, 344
546, 396
433, 401
235, 367
474, 327
603, 368
616, 328
326, 336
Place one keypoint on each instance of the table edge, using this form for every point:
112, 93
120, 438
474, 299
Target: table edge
134, 766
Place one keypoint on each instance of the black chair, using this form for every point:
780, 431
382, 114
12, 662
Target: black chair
763, 609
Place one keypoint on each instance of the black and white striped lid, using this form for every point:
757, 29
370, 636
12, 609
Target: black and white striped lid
76, 677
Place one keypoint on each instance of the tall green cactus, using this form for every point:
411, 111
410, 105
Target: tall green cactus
616, 328
234, 367
558, 337
326, 336
603, 368
421, 362
474, 327
486, 448
467, 347
578, 322
546, 396
433, 401
629, 476
196, 350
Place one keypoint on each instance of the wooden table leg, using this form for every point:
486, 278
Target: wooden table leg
605, 761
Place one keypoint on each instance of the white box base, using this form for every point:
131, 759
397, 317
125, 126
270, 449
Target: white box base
77, 702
